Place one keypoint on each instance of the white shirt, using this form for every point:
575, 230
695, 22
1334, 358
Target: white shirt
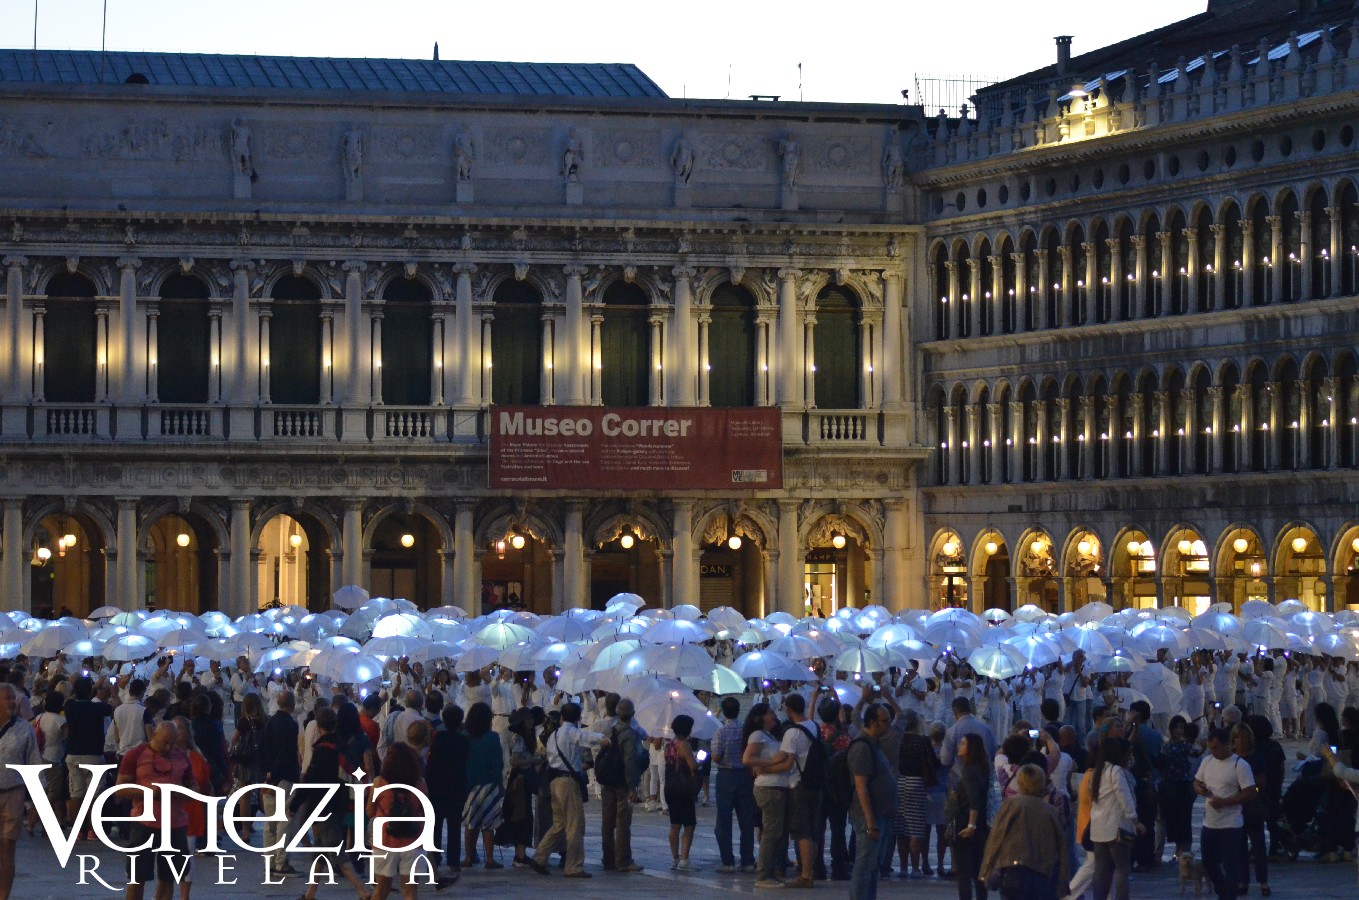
564, 748
797, 742
1114, 807
127, 719
1224, 778
768, 749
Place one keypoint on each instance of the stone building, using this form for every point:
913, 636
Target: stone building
257, 310
1092, 338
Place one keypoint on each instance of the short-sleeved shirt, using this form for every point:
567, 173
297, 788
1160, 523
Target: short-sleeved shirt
865, 757
1224, 778
768, 749
85, 726
798, 743
144, 767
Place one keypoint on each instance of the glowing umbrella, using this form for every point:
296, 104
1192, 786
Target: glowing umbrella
277, 658
329, 662
81, 648
565, 630
888, 635
861, 661
722, 681
1091, 641
502, 634
797, 647
657, 712
1219, 621
1121, 661
768, 666
1037, 651
1311, 624
104, 612
393, 646
476, 657
953, 634
128, 647
640, 690
433, 652
997, 616
676, 631
406, 624
1262, 633
999, 661
519, 658
1154, 637
351, 596
359, 668
1094, 611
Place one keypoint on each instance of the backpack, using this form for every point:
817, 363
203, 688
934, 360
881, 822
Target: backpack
813, 772
245, 746
839, 783
610, 770
403, 804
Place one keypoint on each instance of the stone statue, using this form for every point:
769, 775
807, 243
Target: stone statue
240, 148
893, 166
791, 155
573, 155
682, 159
464, 154
353, 155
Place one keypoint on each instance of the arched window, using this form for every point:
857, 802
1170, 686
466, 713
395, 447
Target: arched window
70, 340
1103, 289
962, 312
407, 343
1176, 269
1202, 273
1233, 258
986, 304
1347, 409
295, 341
1078, 302
1290, 251
1228, 437
1156, 288
625, 340
183, 333
1050, 288
838, 352
1009, 322
1349, 239
1319, 249
731, 348
1261, 242
1286, 433
940, 300
1029, 432
517, 345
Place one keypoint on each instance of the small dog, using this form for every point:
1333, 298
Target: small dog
1191, 870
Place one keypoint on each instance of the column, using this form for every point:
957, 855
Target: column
809, 361
438, 322
1116, 285
1063, 436
1336, 253
1215, 435
351, 538
152, 352
1141, 282
242, 384
762, 361
466, 341
1302, 446
571, 380
265, 315
1115, 445
1091, 283
974, 290
1304, 262
1015, 441
131, 379
355, 391
1332, 426
1021, 299
1248, 264
575, 592
484, 374
895, 565
375, 332
954, 304
1088, 438
1163, 433
126, 542
215, 356
1068, 284
682, 367
239, 600
1191, 294
1277, 266
790, 596
1273, 457
704, 367
656, 381
685, 566
1165, 290
21, 347
996, 451
548, 368
1138, 402
103, 356
952, 448
789, 362
465, 572
972, 449
14, 561
596, 357
1039, 296
1245, 459
1188, 458
893, 353
1042, 442
996, 301
1218, 299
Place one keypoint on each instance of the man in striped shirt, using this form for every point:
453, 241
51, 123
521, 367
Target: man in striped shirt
735, 791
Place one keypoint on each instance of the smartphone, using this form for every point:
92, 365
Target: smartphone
1033, 733
701, 755
1217, 704
1334, 749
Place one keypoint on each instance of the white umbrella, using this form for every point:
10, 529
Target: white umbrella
1155, 636
557, 654
1161, 686
1338, 645
434, 651
104, 612
676, 631
1030, 613
476, 657
181, 639
219, 649
277, 658
250, 641
861, 661
519, 658
726, 617
768, 666
1091, 641
722, 680
657, 712
999, 661
959, 637
330, 661
1219, 621
1311, 624
1127, 697
797, 647
956, 614
127, 647
1262, 633
1254, 609
393, 646
503, 634
351, 596
1094, 611
640, 690
1120, 661
405, 624
887, 635
678, 660
687, 612
1290, 607
631, 601
359, 668
997, 616
81, 648
1037, 651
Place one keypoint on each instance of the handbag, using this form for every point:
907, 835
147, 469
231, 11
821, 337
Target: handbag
1126, 836
575, 776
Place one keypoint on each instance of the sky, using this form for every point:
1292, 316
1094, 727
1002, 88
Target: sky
859, 51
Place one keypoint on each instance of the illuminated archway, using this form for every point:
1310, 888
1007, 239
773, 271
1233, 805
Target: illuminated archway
1134, 568
293, 566
1300, 567
1186, 576
180, 564
1347, 569
66, 565
1242, 569
948, 581
1084, 569
992, 581
1036, 571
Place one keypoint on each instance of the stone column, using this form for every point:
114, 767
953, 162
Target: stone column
242, 352
1116, 442
467, 361
809, 362
1088, 438
465, 570
1022, 300
997, 449
1166, 288
130, 384
789, 362
485, 374
1272, 455
1245, 460
683, 367
685, 566
895, 567
1039, 297
1139, 301
704, 367
152, 380
762, 361
596, 357
438, 323
1065, 305
575, 592
1304, 262
20, 350
1136, 469
572, 376
954, 304
1332, 425
1277, 266
265, 316
790, 590
997, 296
239, 599
547, 369
1302, 445
1191, 285
1042, 441
1116, 284
893, 353
125, 539
1336, 252
328, 354
1091, 284
972, 449
1163, 433
355, 391
1248, 264
952, 448
15, 570
1218, 298
1216, 436
1015, 441
1188, 458
375, 330
656, 379
974, 297
103, 358
1063, 436
351, 538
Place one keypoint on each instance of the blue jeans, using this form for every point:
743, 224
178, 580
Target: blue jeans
735, 793
1078, 717
1222, 859
863, 880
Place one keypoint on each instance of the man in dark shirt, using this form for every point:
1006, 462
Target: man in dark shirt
871, 809
282, 767
86, 722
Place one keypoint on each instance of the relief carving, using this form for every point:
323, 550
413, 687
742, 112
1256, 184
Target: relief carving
840, 154
517, 146
733, 152
625, 148
156, 139
296, 142
420, 144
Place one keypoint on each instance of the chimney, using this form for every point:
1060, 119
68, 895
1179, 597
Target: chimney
1063, 52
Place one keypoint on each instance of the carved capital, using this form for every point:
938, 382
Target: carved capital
464, 268
685, 272
15, 262
575, 271
354, 266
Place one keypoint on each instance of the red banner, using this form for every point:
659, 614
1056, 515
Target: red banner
644, 448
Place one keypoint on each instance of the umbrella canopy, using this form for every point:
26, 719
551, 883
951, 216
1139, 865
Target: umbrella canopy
797, 647
1030, 613
959, 637
405, 624
998, 661
630, 602
1154, 636
887, 635
677, 660
476, 657
676, 631
564, 629
81, 648
393, 646
861, 661
501, 635
1263, 633
359, 668
519, 658
104, 612
277, 658
1310, 624
1090, 640
768, 666
1094, 612
1121, 661
127, 647
1219, 621
1161, 687
1254, 609
351, 596
1037, 651
722, 681
997, 616
1126, 697
659, 710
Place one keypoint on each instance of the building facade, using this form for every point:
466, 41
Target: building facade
1092, 339
257, 311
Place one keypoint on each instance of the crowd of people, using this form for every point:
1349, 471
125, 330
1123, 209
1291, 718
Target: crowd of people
1043, 780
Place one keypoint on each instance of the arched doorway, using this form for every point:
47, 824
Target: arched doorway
517, 569
1084, 570
731, 565
949, 572
1242, 567
1134, 570
1347, 569
293, 566
626, 558
992, 581
837, 569
405, 559
66, 566
180, 564
1036, 582
1300, 567
1186, 576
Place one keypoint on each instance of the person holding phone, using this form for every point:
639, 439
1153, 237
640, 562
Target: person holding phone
1226, 782
681, 790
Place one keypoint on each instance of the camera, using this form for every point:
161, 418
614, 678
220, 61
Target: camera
701, 755
1033, 733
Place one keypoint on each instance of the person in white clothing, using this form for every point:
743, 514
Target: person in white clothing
1226, 782
1113, 819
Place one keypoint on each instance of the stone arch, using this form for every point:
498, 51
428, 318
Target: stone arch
162, 270
548, 291
293, 509
530, 518
205, 512
307, 273
422, 275
825, 516
608, 521
101, 277
81, 506
436, 518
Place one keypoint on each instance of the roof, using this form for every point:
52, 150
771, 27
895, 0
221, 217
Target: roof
206, 70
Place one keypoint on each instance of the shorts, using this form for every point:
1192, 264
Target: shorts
151, 864
804, 813
396, 864
11, 814
78, 778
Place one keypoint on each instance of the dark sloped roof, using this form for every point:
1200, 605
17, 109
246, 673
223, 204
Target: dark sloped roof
324, 74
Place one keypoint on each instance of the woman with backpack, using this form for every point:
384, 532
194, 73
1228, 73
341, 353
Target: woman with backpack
681, 790
401, 769
526, 760
919, 771
247, 762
